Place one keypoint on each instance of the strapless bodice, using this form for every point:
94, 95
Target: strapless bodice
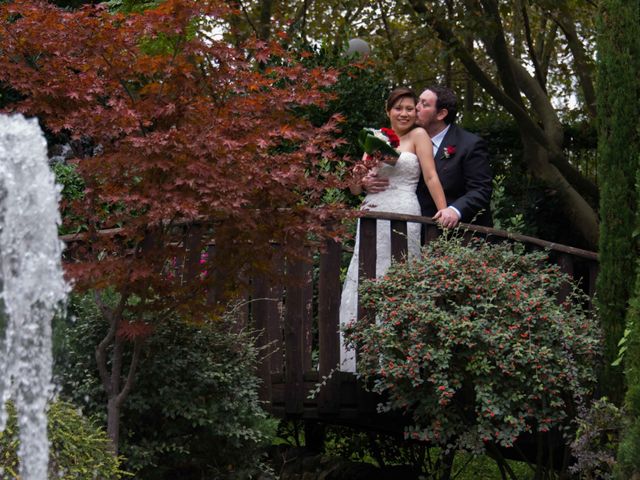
399, 196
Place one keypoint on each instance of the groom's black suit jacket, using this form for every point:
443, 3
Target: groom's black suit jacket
465, 177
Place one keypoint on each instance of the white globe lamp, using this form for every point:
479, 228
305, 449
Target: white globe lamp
358, 46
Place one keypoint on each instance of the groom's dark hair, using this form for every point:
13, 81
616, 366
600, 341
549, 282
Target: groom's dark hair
446, 98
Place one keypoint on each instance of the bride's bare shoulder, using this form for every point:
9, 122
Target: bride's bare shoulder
419, 132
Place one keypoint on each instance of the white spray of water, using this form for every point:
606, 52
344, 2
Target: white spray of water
31, 285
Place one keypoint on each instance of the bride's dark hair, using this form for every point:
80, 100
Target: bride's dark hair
398, 93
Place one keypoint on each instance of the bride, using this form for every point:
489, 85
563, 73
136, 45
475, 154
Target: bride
416, 156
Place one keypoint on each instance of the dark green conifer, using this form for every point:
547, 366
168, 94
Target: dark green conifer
619, 150
618, 94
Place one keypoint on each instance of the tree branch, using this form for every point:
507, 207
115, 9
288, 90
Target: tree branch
582, 63
387, 30
539, 102
113, 316
265, 20
300, 18
547, 45
530, 47
246, 16
133, 366
515, 108
552, 126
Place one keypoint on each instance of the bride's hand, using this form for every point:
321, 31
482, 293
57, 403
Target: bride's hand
380, 157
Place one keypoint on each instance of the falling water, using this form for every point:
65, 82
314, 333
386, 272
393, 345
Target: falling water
31, 285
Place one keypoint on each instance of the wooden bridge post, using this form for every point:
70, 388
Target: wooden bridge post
366, 261
307, 312
329, 290
398, 240
366, 270
297, 272
265, 309
565, 262
193, 245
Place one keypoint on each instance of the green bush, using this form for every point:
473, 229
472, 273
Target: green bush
597, 439
72, 190
194, 408
472, 342
79, 449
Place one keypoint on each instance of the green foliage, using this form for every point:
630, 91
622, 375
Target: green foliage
472, 342
503, 219
596, 442
521, 203
194, 409
79, 448
70, 180
629, 448
358, 95
618, 90
131, 6
72, 189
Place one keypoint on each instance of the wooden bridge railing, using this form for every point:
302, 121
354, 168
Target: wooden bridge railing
294, 337
300, 330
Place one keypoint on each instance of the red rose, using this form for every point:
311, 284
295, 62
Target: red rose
449, 150
394, 141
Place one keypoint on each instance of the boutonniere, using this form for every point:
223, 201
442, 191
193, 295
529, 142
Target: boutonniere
449, 150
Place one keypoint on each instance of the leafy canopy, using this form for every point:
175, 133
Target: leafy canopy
187, 130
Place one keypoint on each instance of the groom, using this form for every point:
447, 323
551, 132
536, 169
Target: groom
462, 163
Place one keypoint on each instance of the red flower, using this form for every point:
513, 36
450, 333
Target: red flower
449, 150
394, 140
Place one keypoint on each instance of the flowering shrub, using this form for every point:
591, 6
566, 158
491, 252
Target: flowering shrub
473, 343
597, 439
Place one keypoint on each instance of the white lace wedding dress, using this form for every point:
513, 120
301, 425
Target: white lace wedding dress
399, 197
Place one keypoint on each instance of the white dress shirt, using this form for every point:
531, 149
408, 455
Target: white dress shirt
436, 140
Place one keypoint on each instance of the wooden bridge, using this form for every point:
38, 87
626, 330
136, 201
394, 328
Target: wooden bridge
299, 327
299, 321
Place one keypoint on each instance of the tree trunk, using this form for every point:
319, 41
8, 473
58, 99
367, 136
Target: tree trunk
536, 118
574, 207
113, 423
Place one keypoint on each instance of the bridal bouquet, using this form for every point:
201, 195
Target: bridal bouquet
384, 141
379, 146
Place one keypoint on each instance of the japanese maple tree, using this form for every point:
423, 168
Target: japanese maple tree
196, 142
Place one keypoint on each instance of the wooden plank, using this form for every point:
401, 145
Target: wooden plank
398, 240
329, 289
565, 262
367, 260
193, 245
367, 269
274, 320
430, 233
293, 335
261, 302
307, 311
347, 396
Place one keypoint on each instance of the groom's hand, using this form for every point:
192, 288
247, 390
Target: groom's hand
447, 217
372, 183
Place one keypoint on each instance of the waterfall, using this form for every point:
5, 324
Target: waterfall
31, 285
